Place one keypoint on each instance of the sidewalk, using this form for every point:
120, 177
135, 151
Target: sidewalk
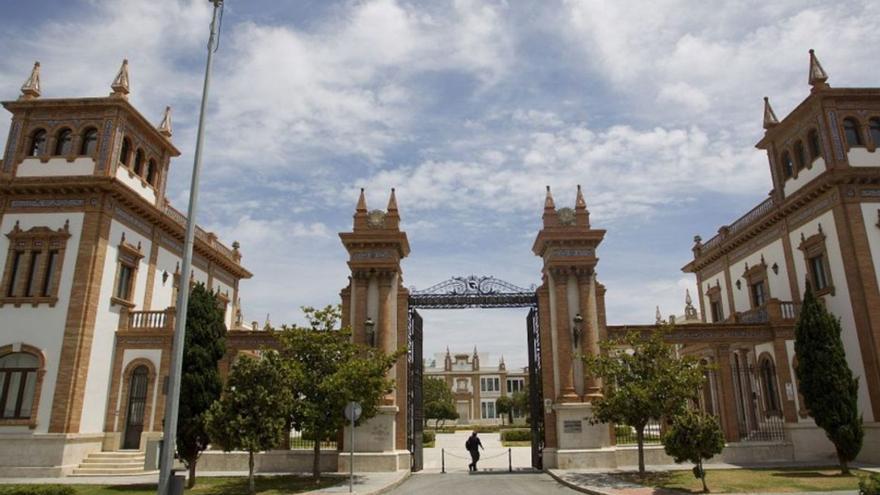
364, 483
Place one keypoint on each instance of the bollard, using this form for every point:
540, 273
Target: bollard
443, 461
509, 460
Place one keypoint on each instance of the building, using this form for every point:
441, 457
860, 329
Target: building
91, 251
820, 225
477, 388
690, 315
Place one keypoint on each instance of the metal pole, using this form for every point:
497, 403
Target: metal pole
166, 459
351, 457
509, 460
443, 461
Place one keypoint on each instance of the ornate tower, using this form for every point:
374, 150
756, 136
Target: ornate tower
571, 304
375, 307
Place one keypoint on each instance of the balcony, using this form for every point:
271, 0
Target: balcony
774, 311
146, 321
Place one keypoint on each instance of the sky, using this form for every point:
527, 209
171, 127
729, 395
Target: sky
468, 109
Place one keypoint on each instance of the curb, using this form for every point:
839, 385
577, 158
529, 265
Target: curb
574, 486
392, 486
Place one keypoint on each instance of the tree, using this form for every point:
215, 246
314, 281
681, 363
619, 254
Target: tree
694, 436
521, 402
830, 391
200, 384
643, 382
251, 413
328, 370
439, 403
504, 405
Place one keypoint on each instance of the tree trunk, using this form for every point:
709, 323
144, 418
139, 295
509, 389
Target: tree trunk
703, 476
316, 462
251, 488
191, 482
640, 440
844, 466
510, 417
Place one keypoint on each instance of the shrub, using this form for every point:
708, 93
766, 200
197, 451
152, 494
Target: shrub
428, 437
870, 485
518, 435
37, 490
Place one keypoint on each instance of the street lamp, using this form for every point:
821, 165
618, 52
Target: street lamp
370, 327
166, 456
576, 329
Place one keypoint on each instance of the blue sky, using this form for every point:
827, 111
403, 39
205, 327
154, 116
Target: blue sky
468, 108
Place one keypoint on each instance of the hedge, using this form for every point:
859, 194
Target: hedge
428, 437
519, 435
37, 490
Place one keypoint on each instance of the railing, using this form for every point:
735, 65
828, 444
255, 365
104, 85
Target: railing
207, 237
145, 321
741, 223
789, 310
773, 310
626, 435
305, 441
754, 315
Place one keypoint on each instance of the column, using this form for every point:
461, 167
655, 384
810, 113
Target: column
385, 340
727, 395
563, 333
784, 379
590, 339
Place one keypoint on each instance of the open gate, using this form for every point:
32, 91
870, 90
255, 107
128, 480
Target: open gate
416, 413
536, 396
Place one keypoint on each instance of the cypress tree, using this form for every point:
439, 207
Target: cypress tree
200, 383
830, 391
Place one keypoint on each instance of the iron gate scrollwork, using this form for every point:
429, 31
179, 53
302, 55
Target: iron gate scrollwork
416, 413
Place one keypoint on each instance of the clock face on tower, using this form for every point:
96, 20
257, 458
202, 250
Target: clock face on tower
376, 219
566, 216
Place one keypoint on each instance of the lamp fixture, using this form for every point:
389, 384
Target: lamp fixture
738, 285
370, 327
578, 321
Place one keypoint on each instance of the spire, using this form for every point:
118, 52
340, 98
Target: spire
393, 217
447, 351
770, 119
548, 201
579, 203
31, 88
165, 126
362, 203
818, 76
690, 312
120, 84
392, 202
658, 319
582, 215
687, 297
475, 351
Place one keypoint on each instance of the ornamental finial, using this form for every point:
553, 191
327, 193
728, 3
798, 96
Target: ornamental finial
120, 85
770, 119
165, 126
31, 88
818, 76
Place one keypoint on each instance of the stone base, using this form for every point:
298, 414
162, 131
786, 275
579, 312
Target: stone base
812, 445
871, 446
274, 461
376, 435
371, 462
575, 432
752, 453
36, 455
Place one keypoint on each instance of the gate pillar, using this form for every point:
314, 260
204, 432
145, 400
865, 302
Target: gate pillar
375, 307
567, 245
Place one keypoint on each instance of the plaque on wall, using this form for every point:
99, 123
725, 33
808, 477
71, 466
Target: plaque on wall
572, 426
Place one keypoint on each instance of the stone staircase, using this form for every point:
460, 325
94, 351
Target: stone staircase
121, 463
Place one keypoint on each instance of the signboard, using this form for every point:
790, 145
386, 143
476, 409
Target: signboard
572, 426
352, 411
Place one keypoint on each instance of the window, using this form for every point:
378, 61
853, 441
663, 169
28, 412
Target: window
815, 149
759, 296
490, 384
125, 153
38, 143
138, 162
461, 384
874, 129
89, 142
151, 172
515, 385
64, 142
787, 165
756, 282
717, 311
851, 131
816, 258
33, 265
487, 408
126, 273
123, 283
799, 155
18, 384
769, 386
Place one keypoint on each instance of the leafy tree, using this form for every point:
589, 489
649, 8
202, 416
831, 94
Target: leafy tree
200, 383
643, 382
830, 391
521, 402
251, 413
439, 403
504, 406
694, 436
328, 370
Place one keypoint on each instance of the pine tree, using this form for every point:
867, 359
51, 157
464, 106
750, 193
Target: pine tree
830, 391
200, 383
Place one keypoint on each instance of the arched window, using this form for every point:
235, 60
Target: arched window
851, 131
64, 142
787, 165
38, 143
799, 155
89, 142
813, 140
125, 154
769, 387
138, 161
874, 126
151, 172
18, 376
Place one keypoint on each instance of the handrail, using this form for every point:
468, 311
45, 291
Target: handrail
203, 235
741, 223
140, 321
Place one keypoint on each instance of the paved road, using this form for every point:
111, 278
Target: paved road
481, 484
494, 456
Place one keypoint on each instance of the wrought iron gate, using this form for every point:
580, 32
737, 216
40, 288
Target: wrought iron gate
536, 396
416, 413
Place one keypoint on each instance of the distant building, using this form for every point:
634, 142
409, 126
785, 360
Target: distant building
690, 316
476, 389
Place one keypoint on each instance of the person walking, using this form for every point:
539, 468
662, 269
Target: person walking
473, 445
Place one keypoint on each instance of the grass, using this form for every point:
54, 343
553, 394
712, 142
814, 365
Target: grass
265, 485
752, 480
516, 443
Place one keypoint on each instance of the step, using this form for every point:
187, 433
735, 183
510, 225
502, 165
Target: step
108, 471
117, 455
100, 463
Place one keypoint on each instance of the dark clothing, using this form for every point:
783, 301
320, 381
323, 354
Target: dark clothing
473, 445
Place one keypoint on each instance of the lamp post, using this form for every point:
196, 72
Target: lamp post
576, 329
166, 458
370, 327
